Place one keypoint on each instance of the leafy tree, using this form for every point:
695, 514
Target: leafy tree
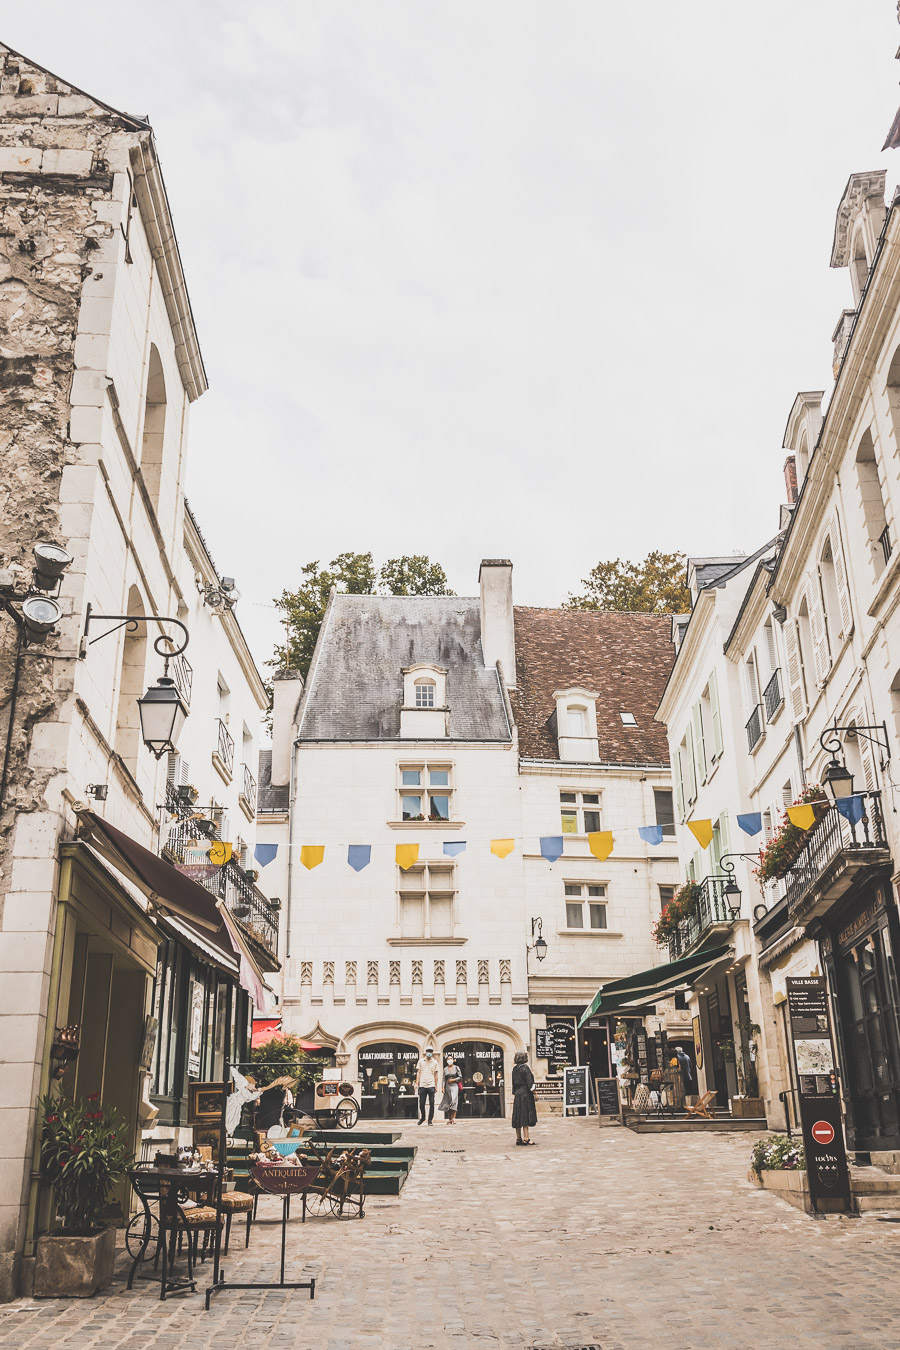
654, 586
354, 574
285, 1058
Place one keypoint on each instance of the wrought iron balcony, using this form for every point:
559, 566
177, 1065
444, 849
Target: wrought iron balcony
183, 675
248, 789
186, 844
754, 727
834, 853
710, 910
884, 540
224, 747
773, 695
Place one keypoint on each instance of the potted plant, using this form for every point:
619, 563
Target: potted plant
83, 1157
778, 856
679, 908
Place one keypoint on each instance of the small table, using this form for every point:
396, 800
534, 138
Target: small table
165, 1184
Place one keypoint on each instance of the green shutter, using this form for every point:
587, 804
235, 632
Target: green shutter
699, 742
718, 744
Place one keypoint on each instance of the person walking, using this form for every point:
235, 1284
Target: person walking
450, 1099
524, 1112
426, 1085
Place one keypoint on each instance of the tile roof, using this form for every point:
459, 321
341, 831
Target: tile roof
356, 687
626, 658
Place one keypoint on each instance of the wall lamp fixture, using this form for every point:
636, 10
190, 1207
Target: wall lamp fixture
837, 778
538, 943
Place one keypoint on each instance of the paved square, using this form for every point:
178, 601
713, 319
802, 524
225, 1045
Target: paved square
593, 1237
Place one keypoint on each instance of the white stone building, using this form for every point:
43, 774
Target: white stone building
100, 364
449, 723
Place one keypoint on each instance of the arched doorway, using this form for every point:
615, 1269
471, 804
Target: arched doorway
388, 1071
482, 1065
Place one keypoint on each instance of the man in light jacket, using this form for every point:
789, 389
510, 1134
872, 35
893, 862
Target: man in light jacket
427, 1083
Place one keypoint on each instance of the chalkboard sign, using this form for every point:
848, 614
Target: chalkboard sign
607, 1093
575, 1089
543, 1038
562, 1031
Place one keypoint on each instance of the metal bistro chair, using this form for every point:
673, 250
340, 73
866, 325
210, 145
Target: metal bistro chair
167, 1218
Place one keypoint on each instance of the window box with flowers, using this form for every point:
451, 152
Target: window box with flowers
676, 910
83, 1157
778, 856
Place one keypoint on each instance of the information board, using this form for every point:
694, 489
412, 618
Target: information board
575, 1089
820, 1107
640, 1038
549, 1090
606, 1091
543, 1043
562, 1051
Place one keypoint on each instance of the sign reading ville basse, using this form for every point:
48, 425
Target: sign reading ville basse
820, 1106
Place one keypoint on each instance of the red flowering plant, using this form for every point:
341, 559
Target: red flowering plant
777, 857
83, 1156
679, 908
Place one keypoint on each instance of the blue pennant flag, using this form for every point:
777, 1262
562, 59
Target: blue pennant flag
264, 853
751, 823
851, 808
651, 834
453, 848
551, 846
359, 856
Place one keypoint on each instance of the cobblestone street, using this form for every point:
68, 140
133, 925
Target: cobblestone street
594, 1237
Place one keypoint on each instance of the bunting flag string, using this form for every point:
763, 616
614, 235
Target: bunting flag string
359, 856
551, 847
651, 834
804, 817
600, 842
851, 808
454, 847
702, 830
407, 856
501, 848
265, 853
311, 855
751, 823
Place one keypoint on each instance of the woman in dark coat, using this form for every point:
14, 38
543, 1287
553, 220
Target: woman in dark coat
524, 1114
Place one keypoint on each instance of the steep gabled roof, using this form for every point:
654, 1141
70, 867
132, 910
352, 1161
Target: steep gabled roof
626, 658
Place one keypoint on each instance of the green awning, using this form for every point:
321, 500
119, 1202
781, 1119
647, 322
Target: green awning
659, 982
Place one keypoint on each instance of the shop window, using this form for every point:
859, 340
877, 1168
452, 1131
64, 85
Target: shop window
426, 894
388, 1074
579, 812
426, 792
481, 1065
585, 905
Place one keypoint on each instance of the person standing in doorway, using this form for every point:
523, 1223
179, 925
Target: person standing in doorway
426, 1085
524, 1112
450, 1099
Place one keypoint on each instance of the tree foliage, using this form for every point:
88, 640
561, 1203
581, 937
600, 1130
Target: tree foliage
354, 574
283, 1056
653, 586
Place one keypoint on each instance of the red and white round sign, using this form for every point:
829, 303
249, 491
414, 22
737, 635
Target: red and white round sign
822, 1132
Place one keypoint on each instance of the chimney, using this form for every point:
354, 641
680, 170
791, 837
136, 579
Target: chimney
498, 641
287, 686
790, 479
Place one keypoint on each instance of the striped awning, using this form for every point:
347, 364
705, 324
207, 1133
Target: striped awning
658, 982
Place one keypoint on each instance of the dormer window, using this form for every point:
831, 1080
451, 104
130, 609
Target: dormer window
576, 725
424, 693
576, 721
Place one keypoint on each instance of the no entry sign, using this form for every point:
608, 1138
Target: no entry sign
822, 1132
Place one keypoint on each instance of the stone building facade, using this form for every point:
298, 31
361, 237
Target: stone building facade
450, 723
99, 364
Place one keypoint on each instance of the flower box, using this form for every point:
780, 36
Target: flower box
778, 856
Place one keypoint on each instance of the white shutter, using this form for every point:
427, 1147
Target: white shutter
679, 788
817, 627
699, 742
172, 761
796, 682
840, 576
716, 715
692, 771
867, 759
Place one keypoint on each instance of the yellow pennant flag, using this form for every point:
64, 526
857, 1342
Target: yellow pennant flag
501, 848
702, 831
219, 852
311, 855
600, 842
407, 855
804, 817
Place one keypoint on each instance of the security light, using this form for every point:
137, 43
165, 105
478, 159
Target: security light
41, 614
50, 561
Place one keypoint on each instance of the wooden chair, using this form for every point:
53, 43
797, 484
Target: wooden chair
701, 1110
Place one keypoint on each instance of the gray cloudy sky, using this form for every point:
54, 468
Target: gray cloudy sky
494, 277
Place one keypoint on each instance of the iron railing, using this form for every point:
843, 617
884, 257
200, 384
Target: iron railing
773, 695
754, 727
225, 745
183, 675
186, 844
884, 540
248, 788
709, 909
832, 835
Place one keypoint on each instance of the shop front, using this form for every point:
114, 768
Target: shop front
860, 949
387, 1070
482, 1093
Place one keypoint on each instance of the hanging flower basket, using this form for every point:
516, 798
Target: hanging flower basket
679, 908
778, 856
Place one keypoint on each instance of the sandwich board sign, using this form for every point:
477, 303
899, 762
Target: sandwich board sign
820, 1104
575, 1089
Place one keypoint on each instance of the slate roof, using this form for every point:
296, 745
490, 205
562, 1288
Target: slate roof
625, 658
269, 798
355, 689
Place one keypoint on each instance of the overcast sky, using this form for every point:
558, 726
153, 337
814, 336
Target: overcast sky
494, 278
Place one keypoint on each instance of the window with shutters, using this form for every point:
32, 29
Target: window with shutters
842, 584
699, 741
830, 598
679, 785
795, 668
860, 753
719, 845
818, 631
710, 698
872, 505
